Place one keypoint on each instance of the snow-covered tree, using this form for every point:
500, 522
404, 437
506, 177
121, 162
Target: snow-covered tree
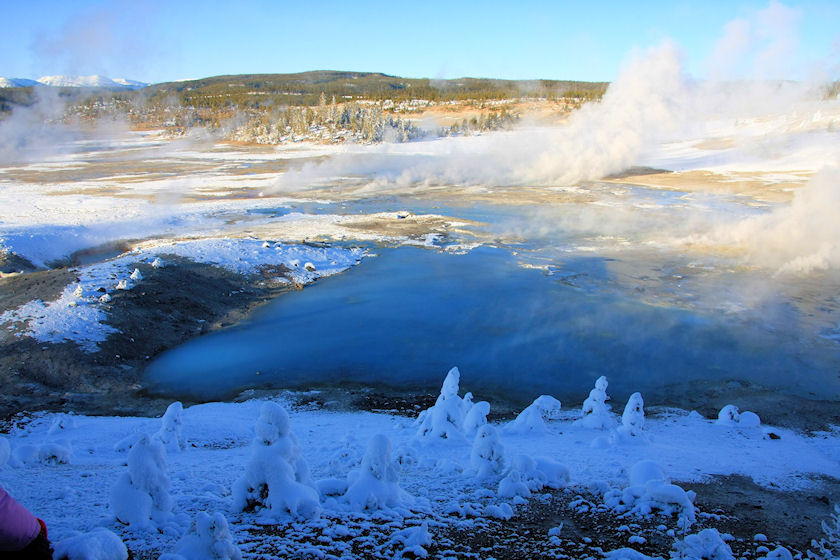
277, 477
595, 412
633, 418
488, 454
141, 496
445, 420
170, 428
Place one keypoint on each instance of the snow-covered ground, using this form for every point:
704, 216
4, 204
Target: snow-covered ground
361, 484
419, 477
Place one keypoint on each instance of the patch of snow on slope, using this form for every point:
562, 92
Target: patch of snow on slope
79, 315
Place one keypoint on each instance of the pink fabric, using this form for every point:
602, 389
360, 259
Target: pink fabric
18, 527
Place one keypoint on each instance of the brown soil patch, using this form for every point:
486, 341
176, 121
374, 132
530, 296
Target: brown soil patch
171, 305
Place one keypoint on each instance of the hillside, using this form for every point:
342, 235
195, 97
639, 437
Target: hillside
254, 90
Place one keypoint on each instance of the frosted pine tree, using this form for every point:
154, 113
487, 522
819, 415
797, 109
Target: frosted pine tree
595, 412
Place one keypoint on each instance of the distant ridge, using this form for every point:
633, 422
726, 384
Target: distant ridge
306, 88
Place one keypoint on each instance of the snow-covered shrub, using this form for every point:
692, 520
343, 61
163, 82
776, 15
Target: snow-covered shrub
708, 544
376, 485
61, 424
448, 467
501, 511
346, 457
729, 415
53, 453
170, 428
208, 539
447, 418
632, 422
595, 412
779, 553
651, 491
412, 540
628, 554
136, 276
99, 544
125, 443
749, 419
157, 263
141, 496
512, 486
829, 545
536, 473
534, 417
276, 477
476, 417
488, 454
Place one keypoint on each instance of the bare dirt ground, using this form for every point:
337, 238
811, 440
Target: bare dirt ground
174, 304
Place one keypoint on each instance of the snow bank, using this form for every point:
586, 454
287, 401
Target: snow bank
99, 544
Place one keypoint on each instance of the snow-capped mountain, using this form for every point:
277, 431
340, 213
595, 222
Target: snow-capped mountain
94, 81
90, 81
17, 82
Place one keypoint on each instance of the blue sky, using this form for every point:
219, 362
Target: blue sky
158, 40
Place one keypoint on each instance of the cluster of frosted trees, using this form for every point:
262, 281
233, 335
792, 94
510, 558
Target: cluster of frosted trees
331, 122
361, 121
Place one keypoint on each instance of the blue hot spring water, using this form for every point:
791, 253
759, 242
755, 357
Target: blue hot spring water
403, 318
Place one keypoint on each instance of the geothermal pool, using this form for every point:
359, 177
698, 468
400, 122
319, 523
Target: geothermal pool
401, 319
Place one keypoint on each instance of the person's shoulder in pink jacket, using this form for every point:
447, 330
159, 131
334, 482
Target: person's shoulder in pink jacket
22, 535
